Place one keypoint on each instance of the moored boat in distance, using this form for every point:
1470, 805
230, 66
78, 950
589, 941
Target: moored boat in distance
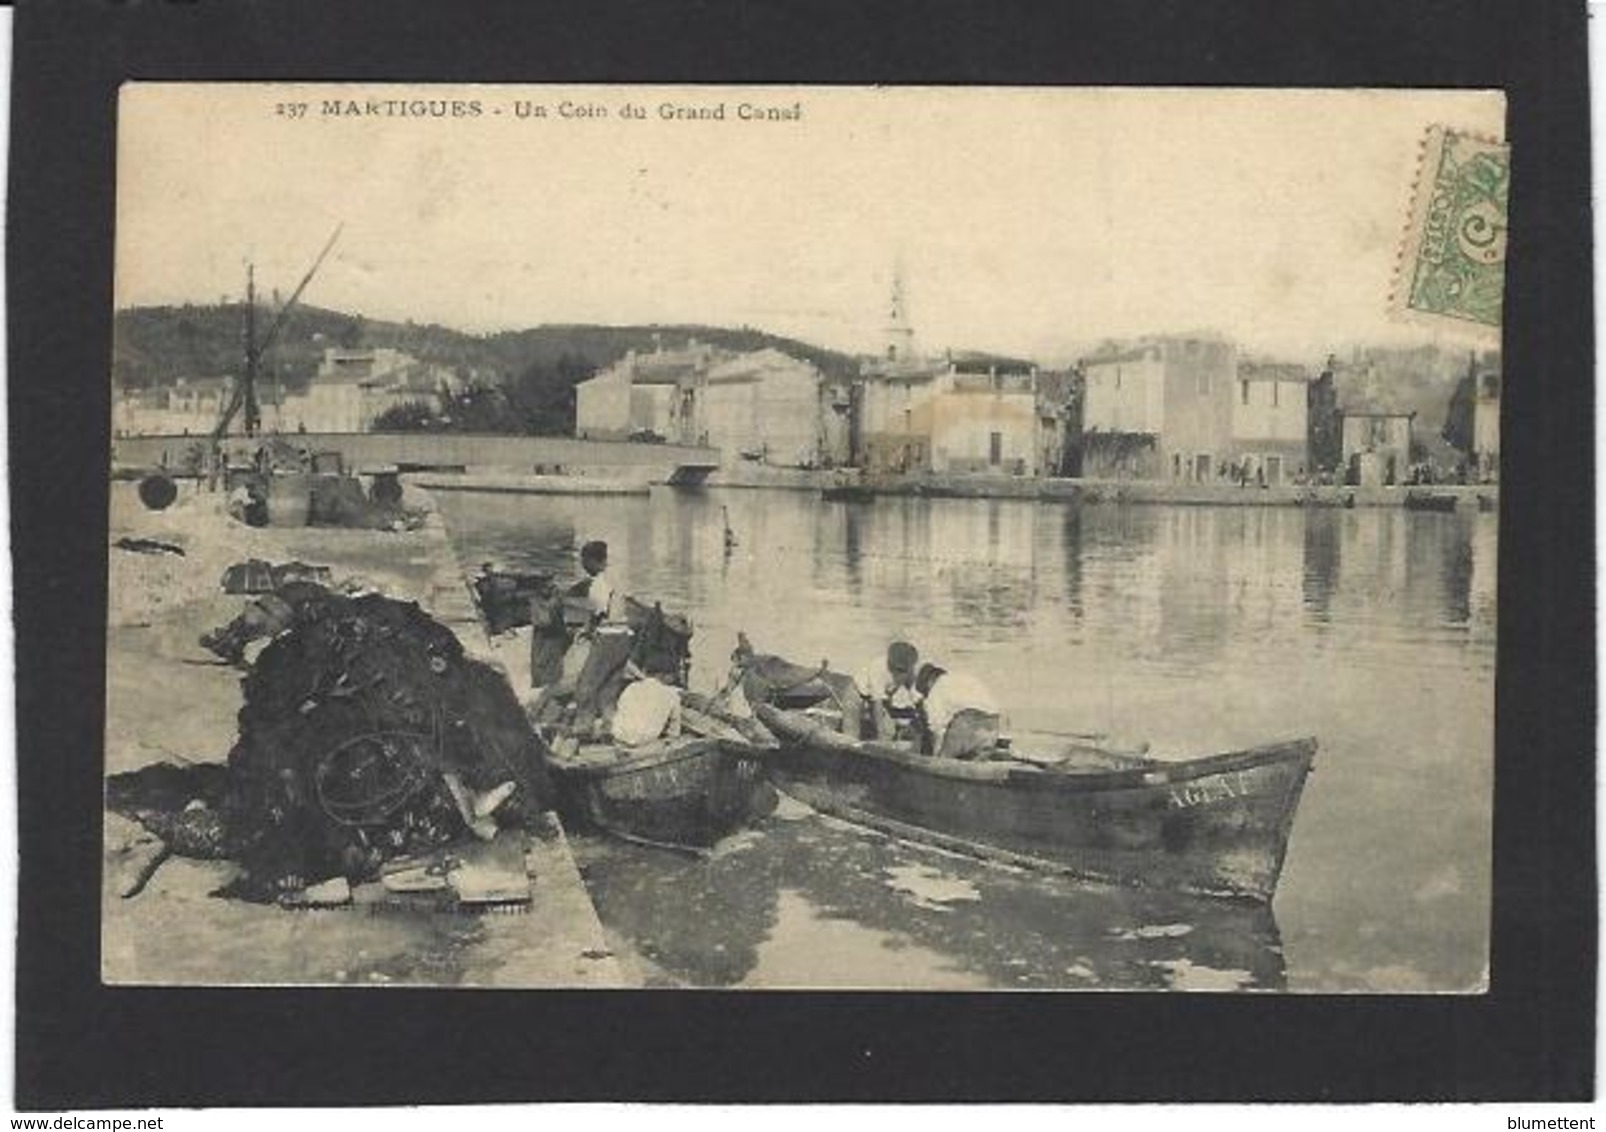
1431, 501
848, 493
1217, 825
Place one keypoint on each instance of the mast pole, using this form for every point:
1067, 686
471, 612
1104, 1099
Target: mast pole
252, 414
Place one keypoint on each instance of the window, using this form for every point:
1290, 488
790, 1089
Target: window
1204, 382
1243, 393
1275, 386
1118, 377
995, 448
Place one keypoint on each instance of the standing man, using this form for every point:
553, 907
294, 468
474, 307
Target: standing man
595, 668
595, 588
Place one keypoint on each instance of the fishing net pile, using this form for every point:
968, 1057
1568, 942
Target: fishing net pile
356, 716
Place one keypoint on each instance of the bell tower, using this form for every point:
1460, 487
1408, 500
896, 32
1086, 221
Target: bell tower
899, 336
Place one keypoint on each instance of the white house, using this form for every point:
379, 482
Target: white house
1269, 421
1160, 408
353, 387
646, 393
767, 405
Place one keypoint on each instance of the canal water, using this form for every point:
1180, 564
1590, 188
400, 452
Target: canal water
1196, 628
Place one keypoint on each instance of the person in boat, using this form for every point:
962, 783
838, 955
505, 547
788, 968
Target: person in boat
549, 635
563, 640
595, 591
594, 669
647, 709
891, 708
962, 719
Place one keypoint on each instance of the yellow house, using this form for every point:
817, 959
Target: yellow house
949, 418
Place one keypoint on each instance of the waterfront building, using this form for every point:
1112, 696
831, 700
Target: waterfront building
771, 407
894, 414
968, 414
1377, 444
965, 416
985, 420
190, 406
647, 395
1160, 408
764, 405
354, 386
1270, 423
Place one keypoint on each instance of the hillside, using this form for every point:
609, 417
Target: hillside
535, 370
154, 345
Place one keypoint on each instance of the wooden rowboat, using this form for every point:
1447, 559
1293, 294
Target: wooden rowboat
1430, 501
682, 793
1216, 826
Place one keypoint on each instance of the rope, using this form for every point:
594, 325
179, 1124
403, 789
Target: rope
382, 804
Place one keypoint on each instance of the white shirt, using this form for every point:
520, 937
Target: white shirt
599, 596
647, 709
953, 693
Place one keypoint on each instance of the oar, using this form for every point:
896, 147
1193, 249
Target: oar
1088, 736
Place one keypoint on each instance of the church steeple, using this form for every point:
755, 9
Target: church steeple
900, 335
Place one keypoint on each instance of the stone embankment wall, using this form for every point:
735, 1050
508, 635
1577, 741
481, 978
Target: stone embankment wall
514, 454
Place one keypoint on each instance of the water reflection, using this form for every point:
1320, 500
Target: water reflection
1197, 628
1319, 577
814, 903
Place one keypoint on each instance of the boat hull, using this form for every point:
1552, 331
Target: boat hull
848, 493
678, 794
1217, 826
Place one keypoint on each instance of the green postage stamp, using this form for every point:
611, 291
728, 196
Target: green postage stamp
1452, 264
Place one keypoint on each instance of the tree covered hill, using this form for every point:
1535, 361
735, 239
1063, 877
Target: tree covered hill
157, 345
532, 373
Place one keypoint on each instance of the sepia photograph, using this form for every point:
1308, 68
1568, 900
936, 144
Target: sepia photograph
922, 538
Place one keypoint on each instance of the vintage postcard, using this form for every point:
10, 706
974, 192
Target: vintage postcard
804, 537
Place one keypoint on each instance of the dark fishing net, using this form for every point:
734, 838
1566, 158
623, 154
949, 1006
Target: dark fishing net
352, 716
180, 804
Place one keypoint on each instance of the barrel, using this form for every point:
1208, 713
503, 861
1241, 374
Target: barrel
157, 492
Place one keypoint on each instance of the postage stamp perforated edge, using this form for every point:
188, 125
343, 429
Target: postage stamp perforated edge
1430, 153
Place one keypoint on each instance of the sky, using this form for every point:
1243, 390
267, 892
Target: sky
1029, 221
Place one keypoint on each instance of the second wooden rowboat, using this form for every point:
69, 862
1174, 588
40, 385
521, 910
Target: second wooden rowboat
1217, 825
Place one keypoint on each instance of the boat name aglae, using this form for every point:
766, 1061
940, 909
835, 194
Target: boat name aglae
1218, 789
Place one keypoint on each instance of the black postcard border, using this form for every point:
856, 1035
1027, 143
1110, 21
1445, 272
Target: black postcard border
80, 1045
